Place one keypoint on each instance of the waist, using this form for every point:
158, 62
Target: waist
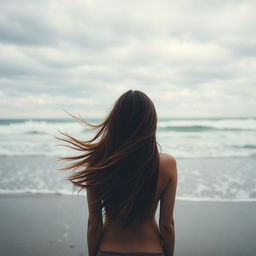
130, 253
145, 238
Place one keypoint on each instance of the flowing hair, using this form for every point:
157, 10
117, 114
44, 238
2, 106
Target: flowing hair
123, 165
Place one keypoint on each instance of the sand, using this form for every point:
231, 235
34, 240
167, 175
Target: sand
56, 225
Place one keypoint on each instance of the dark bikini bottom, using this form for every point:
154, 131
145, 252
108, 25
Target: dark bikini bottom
114, 253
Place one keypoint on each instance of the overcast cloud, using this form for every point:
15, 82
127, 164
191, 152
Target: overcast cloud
194, 58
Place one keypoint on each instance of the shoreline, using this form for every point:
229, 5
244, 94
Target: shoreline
59, 194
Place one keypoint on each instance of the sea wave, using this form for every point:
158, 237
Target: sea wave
248, 124
185, 137
50, 126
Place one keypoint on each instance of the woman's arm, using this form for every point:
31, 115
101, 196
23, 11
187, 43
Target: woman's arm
94, 236
166, 221
168, 239
95, 223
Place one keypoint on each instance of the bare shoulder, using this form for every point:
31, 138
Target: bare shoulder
168, 165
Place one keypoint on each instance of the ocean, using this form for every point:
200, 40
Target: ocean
216, 157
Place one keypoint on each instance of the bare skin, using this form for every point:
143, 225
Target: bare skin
148, 236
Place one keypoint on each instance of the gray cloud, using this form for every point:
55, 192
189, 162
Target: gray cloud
191, 57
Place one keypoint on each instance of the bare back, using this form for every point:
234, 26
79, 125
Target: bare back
146, 237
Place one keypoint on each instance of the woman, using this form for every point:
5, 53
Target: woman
125, 175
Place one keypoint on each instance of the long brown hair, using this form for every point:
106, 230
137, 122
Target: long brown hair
123, 165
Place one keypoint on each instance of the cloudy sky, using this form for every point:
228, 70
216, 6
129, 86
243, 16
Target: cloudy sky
194, 58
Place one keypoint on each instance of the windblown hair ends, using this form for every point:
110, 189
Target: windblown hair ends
123, 164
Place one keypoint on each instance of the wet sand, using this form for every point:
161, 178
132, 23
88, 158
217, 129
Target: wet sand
56, 225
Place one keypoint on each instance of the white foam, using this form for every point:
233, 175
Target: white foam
205, 199
39, 192
70, 193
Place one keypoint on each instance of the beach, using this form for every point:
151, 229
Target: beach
56, 225
216, 194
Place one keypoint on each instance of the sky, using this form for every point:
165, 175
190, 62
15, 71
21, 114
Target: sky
194, 58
